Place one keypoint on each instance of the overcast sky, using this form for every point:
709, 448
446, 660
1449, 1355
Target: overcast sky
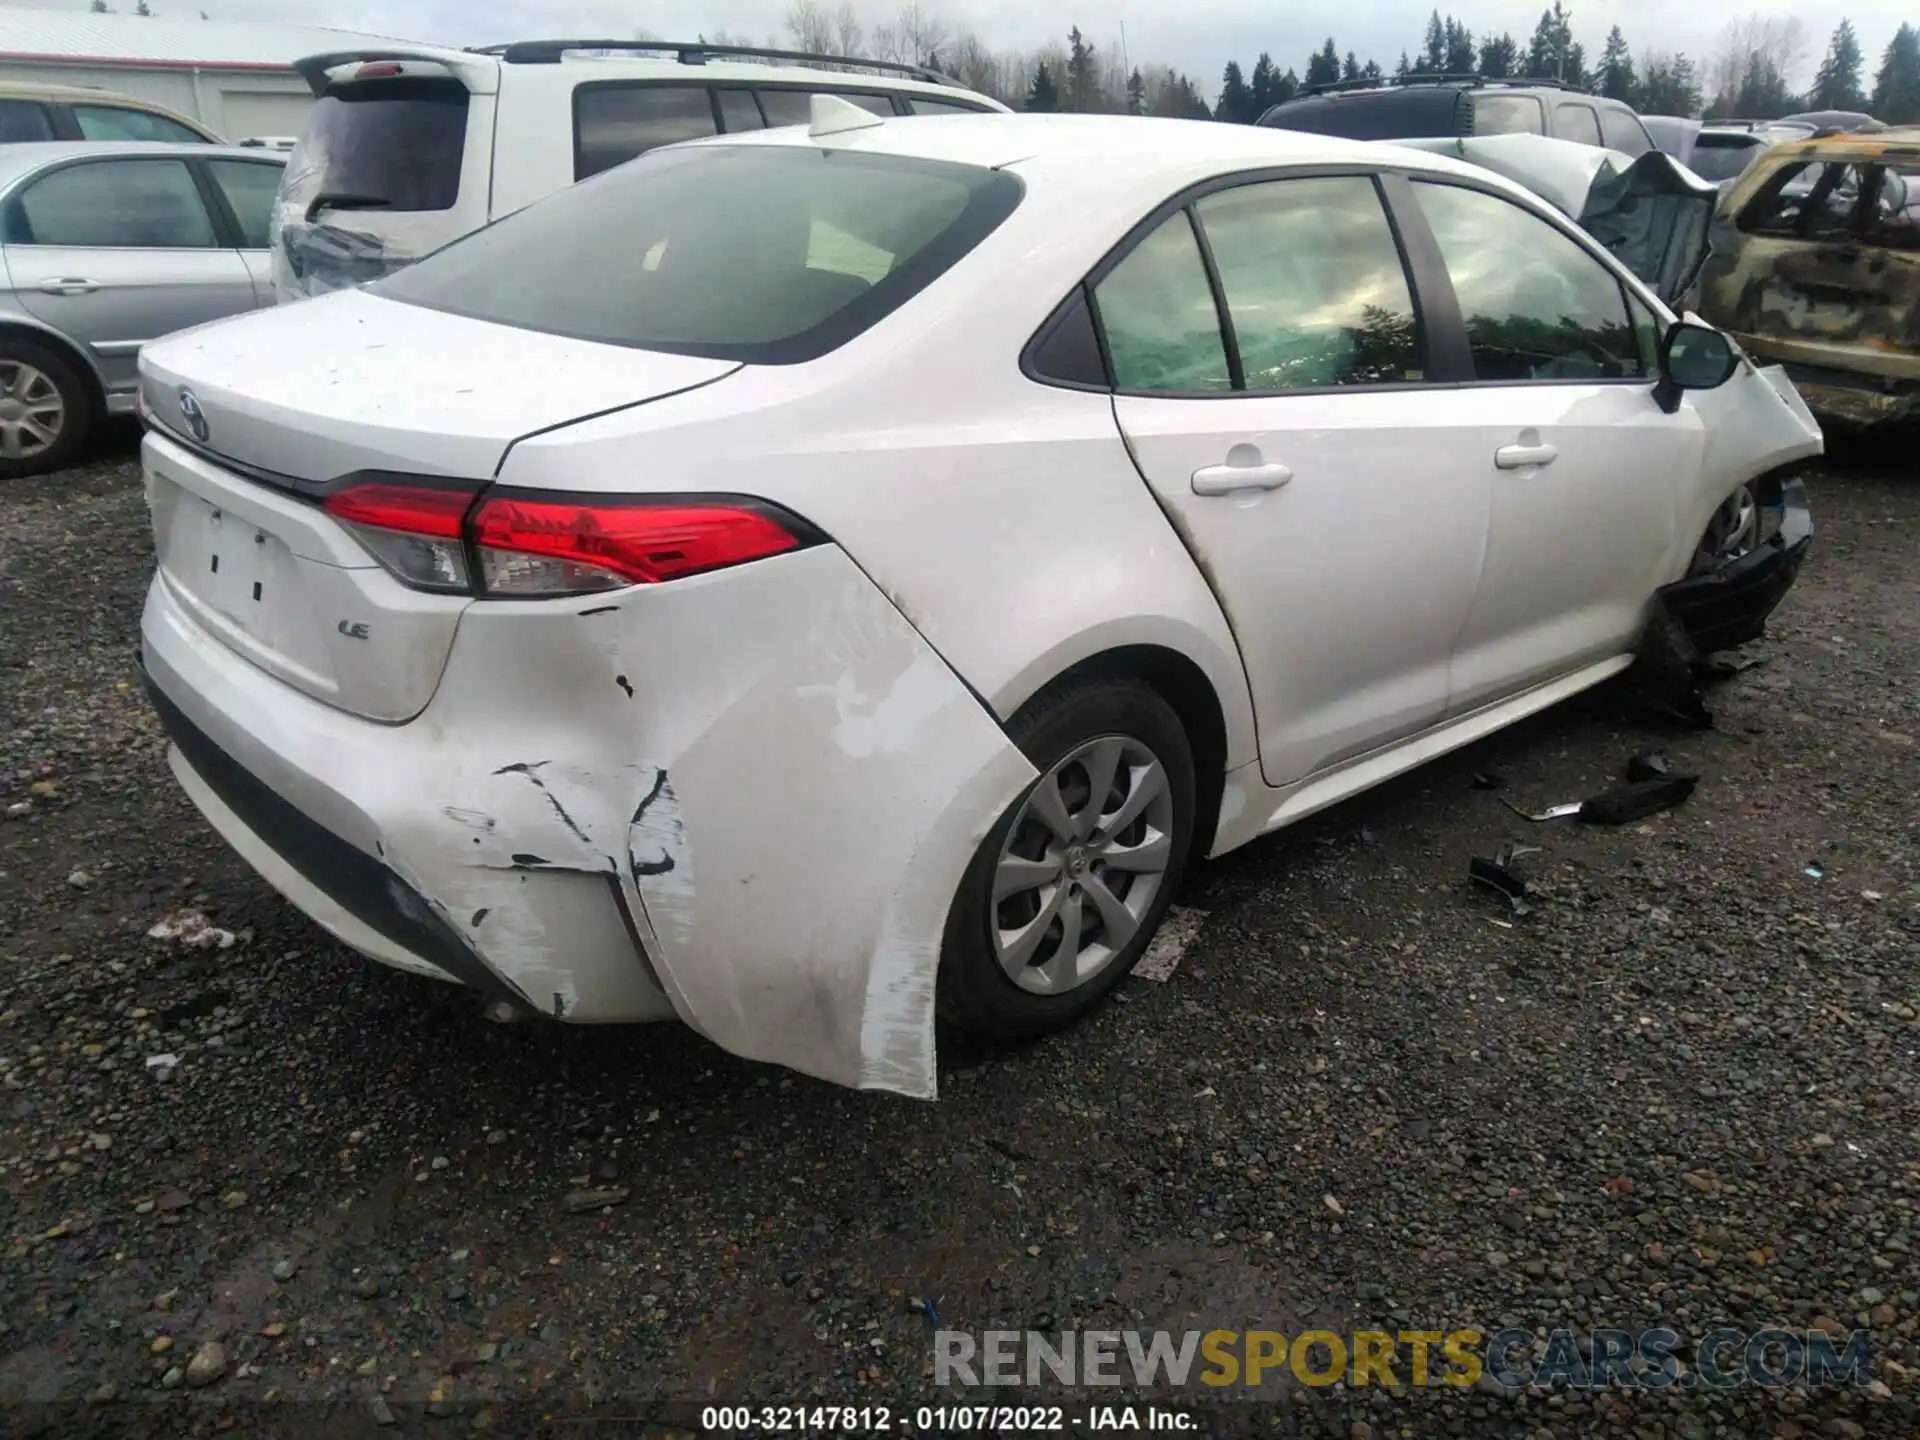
1199, 36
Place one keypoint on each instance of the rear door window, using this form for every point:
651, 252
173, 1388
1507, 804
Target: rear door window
117, 122
1576, 122
389, 144
1624, 132
1895, 218
249, 188
115, 204
761, 253
795, 107
23, 121
1507, 115
613, 124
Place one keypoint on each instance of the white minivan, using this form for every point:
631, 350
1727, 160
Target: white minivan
412, 146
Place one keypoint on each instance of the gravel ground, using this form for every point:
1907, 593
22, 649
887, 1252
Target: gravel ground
1684, 1090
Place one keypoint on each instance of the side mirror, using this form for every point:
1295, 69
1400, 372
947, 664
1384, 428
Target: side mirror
1693, 357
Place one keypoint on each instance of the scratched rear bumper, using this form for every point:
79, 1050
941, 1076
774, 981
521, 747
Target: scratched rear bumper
745, 799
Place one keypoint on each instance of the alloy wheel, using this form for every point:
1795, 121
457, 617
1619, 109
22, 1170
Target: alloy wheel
32, 412
1085, 857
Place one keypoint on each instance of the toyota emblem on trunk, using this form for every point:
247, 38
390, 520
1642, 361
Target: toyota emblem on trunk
195, 417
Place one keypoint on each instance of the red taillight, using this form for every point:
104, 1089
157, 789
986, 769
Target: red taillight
413, 530
530, 546
416, 509
378, 70
627, 544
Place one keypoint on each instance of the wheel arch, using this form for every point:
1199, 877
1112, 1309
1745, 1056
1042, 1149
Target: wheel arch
14, 327
1179, 680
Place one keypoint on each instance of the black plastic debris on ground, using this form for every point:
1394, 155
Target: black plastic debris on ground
1666, 669
1499, 876
1652, 787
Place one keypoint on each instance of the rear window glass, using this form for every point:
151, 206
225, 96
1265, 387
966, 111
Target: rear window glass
765, 254
920, 105
391, 144
118, 122
22, 120
1507, 115
613, 124
1719, 159
795, 107
1383, 115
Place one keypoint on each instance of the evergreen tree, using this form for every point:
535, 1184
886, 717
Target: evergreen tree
1837, 86
1763, 93
1498, 56
1460, 55
100, 7
1136, 93
1350, 67
1434, 59
1896, 92
1043, 96
1236, 97
1266, 85
1372, 73
1667, 86
1083, 74
1404, 68
1616, 78
1324, 68
1550, 52
142, 8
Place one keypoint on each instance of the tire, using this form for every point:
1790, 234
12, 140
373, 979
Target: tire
1068, 735
39, 391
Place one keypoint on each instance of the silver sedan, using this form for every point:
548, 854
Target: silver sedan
102, 248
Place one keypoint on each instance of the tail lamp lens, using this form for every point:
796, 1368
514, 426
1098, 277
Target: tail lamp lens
531, 546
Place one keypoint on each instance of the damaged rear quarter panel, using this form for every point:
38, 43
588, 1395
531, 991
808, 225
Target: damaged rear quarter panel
788, 787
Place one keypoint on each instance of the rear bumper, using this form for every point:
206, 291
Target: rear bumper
746, 799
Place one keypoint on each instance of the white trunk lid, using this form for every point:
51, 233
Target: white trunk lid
263, 415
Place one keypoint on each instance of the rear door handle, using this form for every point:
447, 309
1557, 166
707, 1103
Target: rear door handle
1522, 457
1229, 479
70, 286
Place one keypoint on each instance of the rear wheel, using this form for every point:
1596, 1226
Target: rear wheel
44, 409
1066, 891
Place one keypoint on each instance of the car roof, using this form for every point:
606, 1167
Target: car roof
1897, 143
1108, 150
472, 65
25, 157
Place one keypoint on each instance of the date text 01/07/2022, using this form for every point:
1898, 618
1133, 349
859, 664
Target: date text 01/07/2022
940, 1419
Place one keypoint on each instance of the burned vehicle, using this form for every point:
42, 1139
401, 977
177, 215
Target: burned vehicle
1816, 267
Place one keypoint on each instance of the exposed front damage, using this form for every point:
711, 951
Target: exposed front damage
1652, 214
1816, 266
1729, 604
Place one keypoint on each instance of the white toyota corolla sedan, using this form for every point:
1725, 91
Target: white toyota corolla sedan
811, 582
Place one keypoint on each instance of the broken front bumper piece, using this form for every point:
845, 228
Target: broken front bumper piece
1730, 606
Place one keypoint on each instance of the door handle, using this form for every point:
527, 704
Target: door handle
1229, 479
1522, 457
70, 286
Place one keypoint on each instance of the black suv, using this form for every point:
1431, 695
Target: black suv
1426, 106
